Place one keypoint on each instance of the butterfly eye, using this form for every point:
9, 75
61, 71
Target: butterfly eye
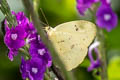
48, 28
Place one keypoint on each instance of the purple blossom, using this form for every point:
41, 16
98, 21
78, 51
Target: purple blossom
21, 18
24, 22
33, 69
83, 5
38, 49
106, 18
30, 29
94, 63
14, 39
12, 53
31, 38
106, 2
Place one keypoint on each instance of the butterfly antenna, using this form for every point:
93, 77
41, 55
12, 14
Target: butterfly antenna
40, 22
44, 16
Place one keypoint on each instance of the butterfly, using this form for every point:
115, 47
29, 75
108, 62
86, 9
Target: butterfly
71, 41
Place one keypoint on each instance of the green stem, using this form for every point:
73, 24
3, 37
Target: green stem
57, 72
36, 5
50, 74
38, 25
25, 53
47, 77
4, 7
102, 50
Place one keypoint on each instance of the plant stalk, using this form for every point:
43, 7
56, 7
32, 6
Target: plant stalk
102, 50
5, 9
57, 72
102, 47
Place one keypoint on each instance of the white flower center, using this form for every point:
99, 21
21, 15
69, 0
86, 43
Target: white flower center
29, 40
14, 36
107, 17
108, 1
19, 22
41, 51
34, 70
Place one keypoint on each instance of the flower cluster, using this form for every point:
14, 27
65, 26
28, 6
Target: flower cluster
22, 35
105, 17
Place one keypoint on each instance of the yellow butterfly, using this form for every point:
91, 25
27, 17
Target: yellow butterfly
71, 41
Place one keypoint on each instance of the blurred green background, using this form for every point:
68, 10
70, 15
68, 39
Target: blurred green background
56, 12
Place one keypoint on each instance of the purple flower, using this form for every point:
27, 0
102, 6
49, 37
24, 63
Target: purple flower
23, 68
24, 22
31, 38
30, 29
21, 18
14, 39
94, 63
38, 49
33, 69
83, 5
106, 18
12, 53
106, 2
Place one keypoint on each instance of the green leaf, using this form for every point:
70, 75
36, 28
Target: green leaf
114, 69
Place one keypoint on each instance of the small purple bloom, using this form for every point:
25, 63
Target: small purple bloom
106, 18
21, 18
37, 48
83, 5
106, 2
23, 68
12, 53
30, 29
94, 63
31, 38
14, 39
33, 69
24, 22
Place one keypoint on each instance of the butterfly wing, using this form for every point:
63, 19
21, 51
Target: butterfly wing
84, 30
71, 41
69, 49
